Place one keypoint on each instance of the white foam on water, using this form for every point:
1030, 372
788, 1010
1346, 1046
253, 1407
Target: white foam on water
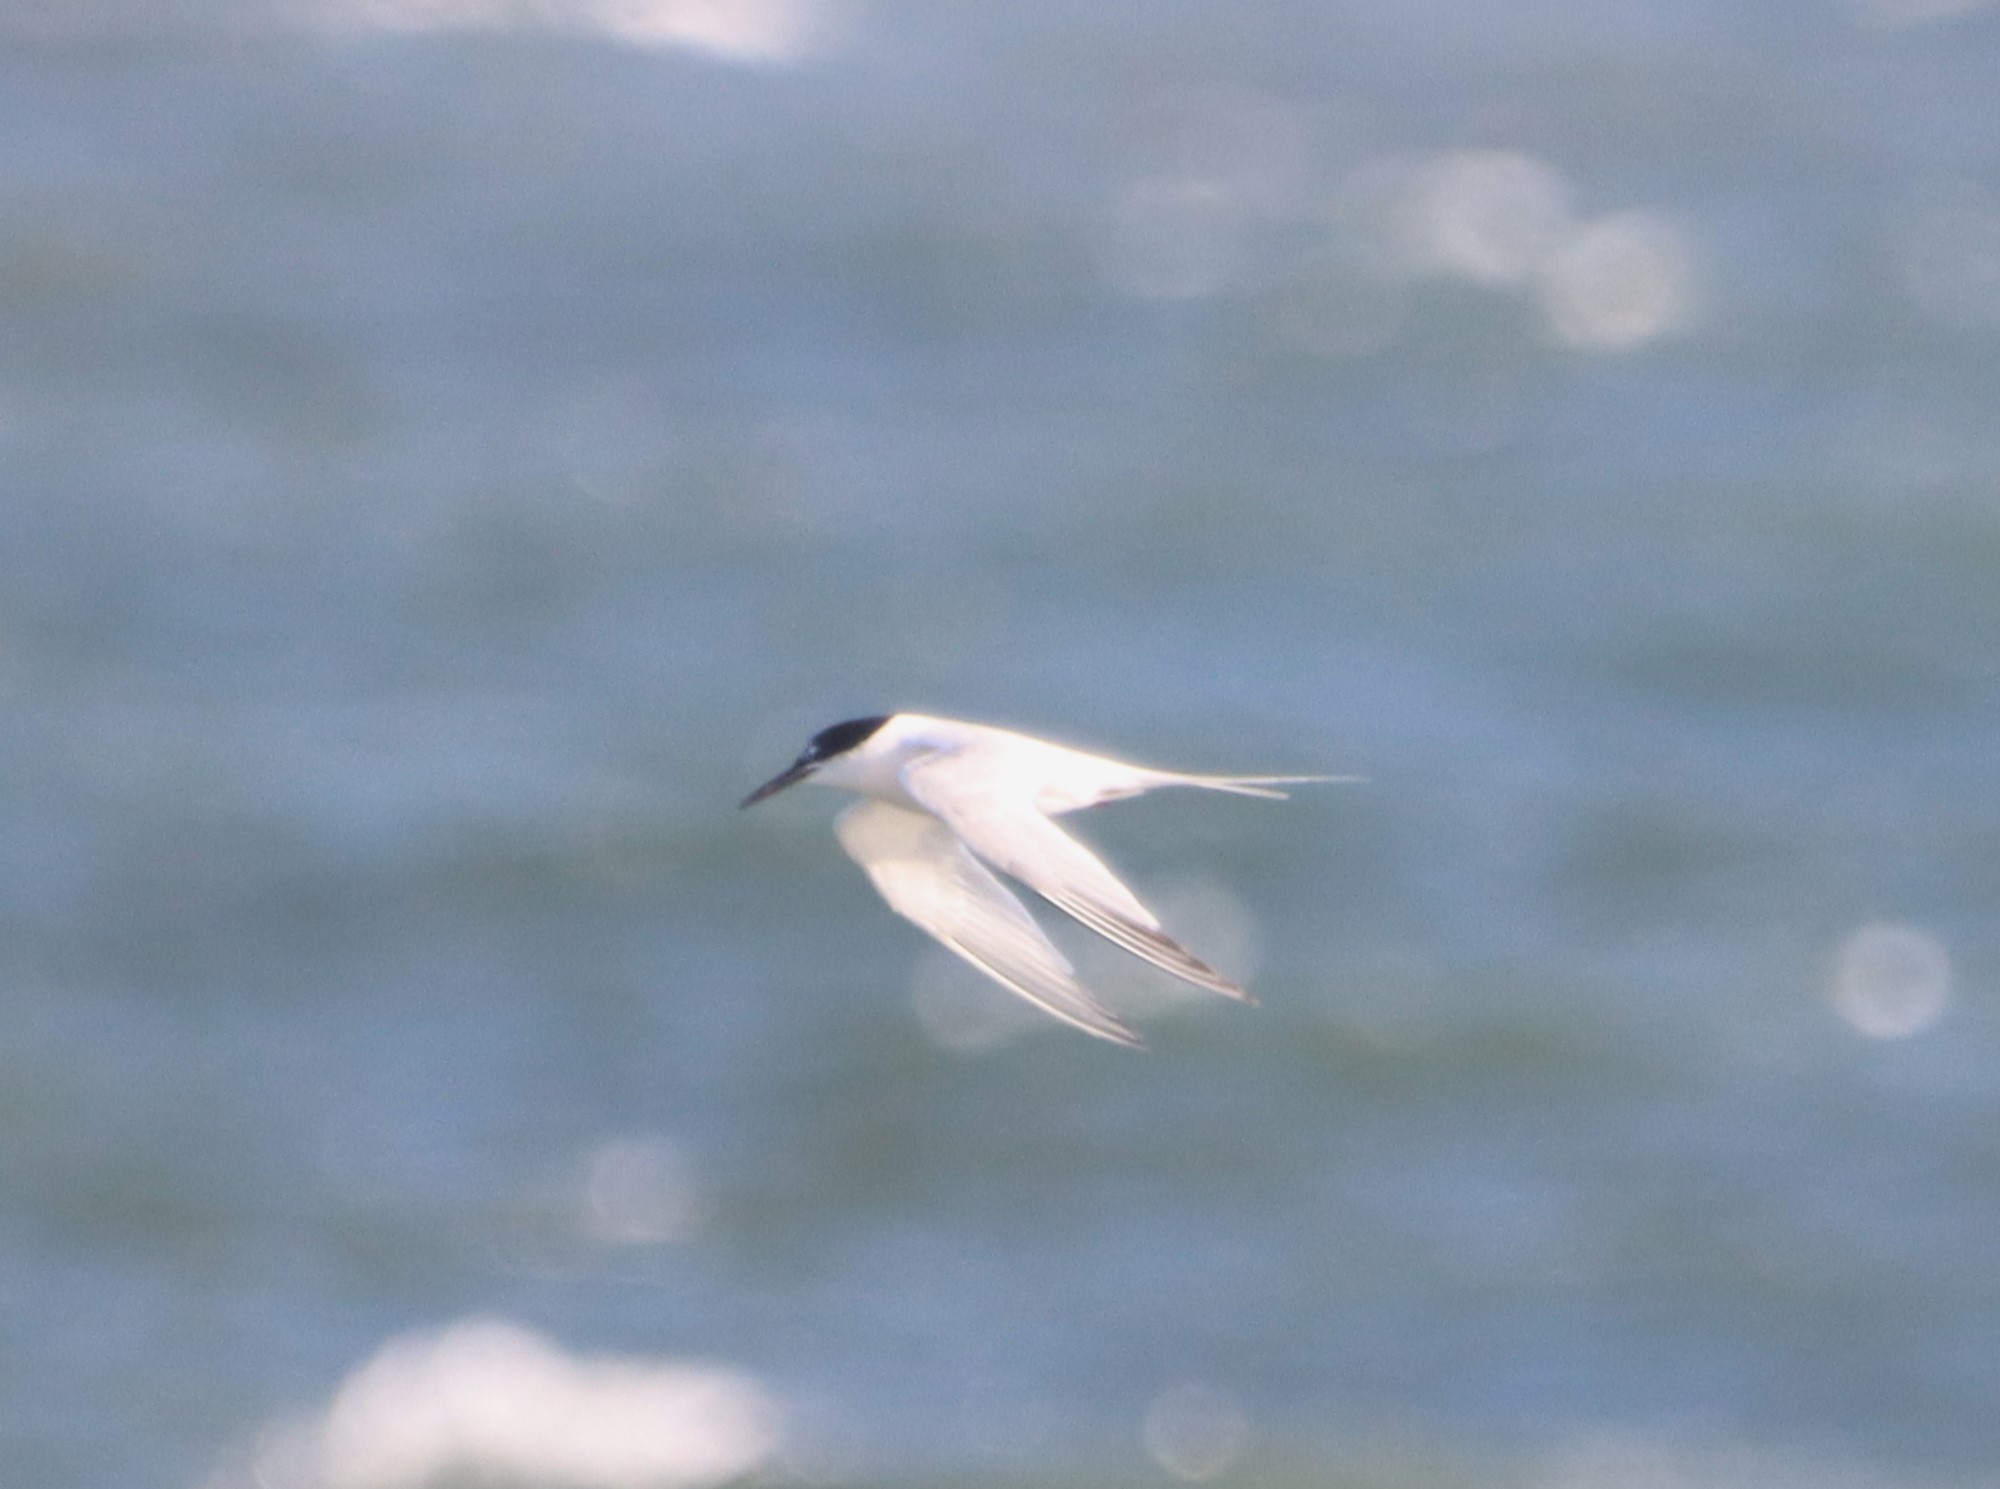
488, 1399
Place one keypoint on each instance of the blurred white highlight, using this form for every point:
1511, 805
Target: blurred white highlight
487, 1400
1891, 981
1503, 219
1236, 217
1194, 1431
1205, 916
1620, 282
966, 1012
1490, 216
641, 1191
743, 31
781, 31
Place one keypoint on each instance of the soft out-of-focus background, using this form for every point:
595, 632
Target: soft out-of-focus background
453, 448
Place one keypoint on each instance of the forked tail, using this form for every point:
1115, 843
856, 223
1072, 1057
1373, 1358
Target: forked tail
1264, 786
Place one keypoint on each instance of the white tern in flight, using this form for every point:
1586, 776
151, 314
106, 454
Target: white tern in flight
944, 803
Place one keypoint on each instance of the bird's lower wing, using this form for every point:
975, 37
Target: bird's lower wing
927, 876
1018, 840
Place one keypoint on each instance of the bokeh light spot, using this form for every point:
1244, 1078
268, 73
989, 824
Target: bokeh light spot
966, 1012
749, 31
1204, 915
641, 1191
1490, 216
1891, 981
1620, 282
1194, 1431
742, 31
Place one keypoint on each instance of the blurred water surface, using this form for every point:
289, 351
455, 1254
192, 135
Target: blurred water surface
454, 449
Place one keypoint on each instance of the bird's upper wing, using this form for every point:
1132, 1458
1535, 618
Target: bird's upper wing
994, 816
928, 878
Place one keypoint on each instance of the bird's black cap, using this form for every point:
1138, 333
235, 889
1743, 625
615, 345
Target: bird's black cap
835, 739
838, 739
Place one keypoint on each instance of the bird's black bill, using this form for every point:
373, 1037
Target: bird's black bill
794, 772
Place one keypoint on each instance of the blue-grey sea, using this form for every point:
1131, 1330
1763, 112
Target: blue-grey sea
451, 450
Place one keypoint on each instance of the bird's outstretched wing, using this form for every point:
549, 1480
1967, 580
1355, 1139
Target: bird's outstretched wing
993, 817
928, 878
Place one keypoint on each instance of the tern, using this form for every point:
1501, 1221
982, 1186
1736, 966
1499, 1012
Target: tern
945, 803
